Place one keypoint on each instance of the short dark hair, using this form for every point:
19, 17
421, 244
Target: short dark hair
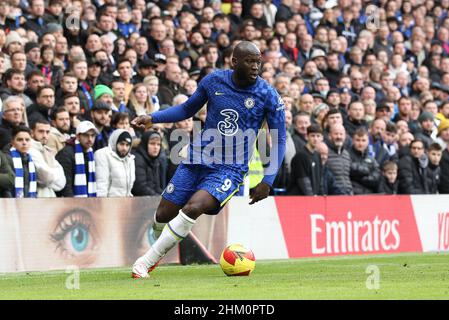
57, 111
10, 73
34, 73
391, 127
18, 129
435, 147
314, 128
117, 117
40, 89
41, 121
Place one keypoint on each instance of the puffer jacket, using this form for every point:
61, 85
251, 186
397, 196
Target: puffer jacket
115, 175
150, 172
365, 173
339, 163
413, 175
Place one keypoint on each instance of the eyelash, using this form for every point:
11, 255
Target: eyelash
71, 220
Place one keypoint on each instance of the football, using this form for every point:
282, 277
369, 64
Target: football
236, 260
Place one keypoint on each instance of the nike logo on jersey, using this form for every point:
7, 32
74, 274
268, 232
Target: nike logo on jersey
217, 93
219, 190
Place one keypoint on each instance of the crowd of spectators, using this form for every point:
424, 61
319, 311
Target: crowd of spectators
365, 86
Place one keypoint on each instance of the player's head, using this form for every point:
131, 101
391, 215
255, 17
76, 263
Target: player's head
246, 62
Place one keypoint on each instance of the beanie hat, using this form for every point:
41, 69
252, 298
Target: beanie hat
101, 89
30, 46
13, 36
444, 124
426, 115
125, 136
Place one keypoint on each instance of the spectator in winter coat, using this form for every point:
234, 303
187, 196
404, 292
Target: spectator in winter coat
329, 185
365, 172
49, 172
413, 170
22, 164
150, 178
114, 166
306, 166
6, 177
444, 175
434, 152
339, 161
77, 159
388, 181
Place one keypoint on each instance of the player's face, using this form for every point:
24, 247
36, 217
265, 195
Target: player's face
249, 67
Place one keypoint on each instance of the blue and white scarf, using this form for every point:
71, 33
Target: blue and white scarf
83, 188
19, 181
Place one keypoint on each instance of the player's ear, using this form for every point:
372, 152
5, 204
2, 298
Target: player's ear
233, 62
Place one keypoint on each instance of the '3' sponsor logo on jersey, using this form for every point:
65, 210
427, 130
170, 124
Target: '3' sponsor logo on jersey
228, 126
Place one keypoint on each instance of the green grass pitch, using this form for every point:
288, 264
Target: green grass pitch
401, 276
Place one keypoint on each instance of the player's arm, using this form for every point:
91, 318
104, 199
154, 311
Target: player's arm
176, 113
276, 123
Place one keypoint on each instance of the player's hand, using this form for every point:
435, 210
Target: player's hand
142, 122
259, 192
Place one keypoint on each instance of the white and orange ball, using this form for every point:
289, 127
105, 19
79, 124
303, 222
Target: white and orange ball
236, 260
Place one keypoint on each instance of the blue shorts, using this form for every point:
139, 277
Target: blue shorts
220, 182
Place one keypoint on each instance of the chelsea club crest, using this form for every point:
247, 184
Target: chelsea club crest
249, 103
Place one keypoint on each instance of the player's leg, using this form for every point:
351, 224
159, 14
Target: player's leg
165, 212
175, 230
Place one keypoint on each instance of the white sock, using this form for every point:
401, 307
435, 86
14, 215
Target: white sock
174, 231
157, 227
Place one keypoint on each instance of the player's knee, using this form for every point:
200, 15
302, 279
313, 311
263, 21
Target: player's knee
193, 210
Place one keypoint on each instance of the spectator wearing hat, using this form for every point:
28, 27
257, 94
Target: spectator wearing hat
93, 72
145, 68
114, 166
13, 43
443, 111
319, 113
426, 129
101, 117
443, 133
33, 54
77, 160
150, 172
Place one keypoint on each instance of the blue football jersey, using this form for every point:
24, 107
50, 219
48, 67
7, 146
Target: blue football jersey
234, 117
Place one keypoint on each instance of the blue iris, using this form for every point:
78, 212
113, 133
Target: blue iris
79, 238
